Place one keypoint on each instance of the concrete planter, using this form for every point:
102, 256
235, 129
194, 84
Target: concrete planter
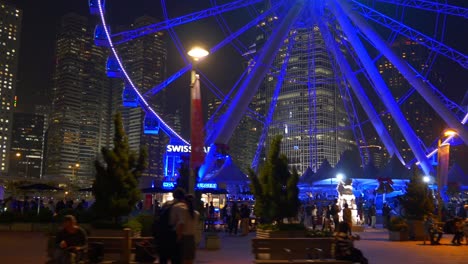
5, 227
398, 235
27, 227
416, 230
265, 233
298, 248
212, 241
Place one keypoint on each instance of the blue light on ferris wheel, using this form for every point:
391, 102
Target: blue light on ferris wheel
113, 68
129, 97
151, 126
100, 38
94, 6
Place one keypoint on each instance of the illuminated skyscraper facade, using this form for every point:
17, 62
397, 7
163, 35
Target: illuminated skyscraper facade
79, 120
145, 60
419, 114
10, 30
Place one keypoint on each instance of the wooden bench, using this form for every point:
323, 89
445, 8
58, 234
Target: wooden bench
124, 246
294, 250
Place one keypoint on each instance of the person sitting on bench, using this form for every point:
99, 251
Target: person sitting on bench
345, 249
432, 230
71, 242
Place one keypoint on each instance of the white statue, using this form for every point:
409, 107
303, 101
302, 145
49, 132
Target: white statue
346, 196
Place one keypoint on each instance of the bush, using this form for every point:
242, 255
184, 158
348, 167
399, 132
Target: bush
146, 222
282, 227
319, 233
134, 225
397, 224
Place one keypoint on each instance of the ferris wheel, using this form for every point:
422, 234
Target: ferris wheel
354, 35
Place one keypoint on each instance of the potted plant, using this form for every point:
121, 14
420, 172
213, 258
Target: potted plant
398, 229
276, 193
417, 202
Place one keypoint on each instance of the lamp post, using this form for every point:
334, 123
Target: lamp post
197, 140
443, 158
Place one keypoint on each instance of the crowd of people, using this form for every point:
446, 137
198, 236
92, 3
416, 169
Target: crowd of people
23, 206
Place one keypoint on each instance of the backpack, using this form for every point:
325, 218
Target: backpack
163, 232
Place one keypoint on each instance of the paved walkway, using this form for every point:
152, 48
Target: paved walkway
29, 248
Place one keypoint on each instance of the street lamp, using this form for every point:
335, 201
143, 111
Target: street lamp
443, 159
197, 139
74, 168
426, 179
340, 176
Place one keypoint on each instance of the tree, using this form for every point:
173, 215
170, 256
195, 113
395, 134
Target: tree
275, 187
115, 187
418, 200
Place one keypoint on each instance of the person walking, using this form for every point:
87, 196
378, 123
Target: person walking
458, 231
325, 217
373, 215
314, 215
235, 216
386, 212
308, 215
347, 217
186, 223
335, 210
245, 217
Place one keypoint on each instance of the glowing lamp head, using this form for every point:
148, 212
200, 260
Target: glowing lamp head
340, 176
197, 53
18, 154
426, 179
450, 133
77, 165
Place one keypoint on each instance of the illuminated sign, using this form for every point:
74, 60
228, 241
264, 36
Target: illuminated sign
182, 149
168, 185
201, 185
207, 185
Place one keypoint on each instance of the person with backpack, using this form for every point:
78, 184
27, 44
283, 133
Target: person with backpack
164, 229
186, 227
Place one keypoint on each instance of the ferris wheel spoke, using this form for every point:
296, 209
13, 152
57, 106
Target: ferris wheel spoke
168, 81
274, 100
217, 47
381, 87
173, 34
225, 97
359, 91
423, 89
410, 33
126, 36
237, 44
430, 6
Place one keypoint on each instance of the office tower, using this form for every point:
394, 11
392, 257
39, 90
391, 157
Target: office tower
418, 113
145, 61
26, 153
310, 113
10, 30
79, 119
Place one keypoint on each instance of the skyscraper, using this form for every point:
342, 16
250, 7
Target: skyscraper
79, 119
419, 114
10, 30
145, 60
310, 112
27, 145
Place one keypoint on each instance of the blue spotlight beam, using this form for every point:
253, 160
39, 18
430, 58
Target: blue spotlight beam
218, 46
419, 84
126, 36
410, 33
249, 87
274, 100
380, 85
430, 6
358, 90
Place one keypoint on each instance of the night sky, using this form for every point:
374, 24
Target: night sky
41, 18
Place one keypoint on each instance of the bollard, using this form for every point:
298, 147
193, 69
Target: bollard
126, 246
